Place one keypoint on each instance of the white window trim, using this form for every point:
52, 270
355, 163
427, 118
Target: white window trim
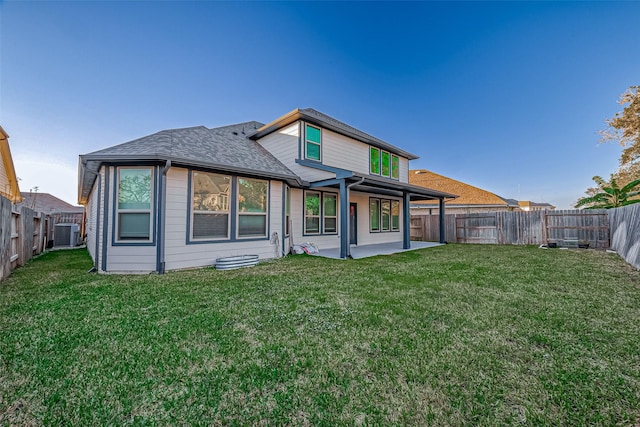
134, 211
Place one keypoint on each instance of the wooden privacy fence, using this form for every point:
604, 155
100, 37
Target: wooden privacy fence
22, 235
625, 232
517, 228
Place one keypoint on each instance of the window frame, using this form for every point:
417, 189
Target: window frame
373, 200
382, 155
371, 157
397, 204
321, 216
307, 142
117, 211
307, 215
385, 204
379, 202
324, 216
239, 213
194, 212
395, 171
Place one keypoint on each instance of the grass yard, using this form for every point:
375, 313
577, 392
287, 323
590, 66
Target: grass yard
453, 335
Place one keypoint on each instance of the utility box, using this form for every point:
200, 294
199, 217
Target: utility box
66, 235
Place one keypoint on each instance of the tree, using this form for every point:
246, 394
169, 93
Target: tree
624, 127
611, 195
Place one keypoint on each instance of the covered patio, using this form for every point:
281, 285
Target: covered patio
365, 251
347, 181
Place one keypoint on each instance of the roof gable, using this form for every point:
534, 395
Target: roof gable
320, 119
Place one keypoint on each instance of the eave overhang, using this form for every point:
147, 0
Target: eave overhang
387, 187
89, 168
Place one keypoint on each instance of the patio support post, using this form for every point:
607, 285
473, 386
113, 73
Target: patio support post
441, 211
406, 221
345, 251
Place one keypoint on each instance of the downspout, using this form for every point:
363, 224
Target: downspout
345, 241
163, 216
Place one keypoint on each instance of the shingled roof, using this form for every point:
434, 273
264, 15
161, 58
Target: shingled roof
226, 148
48, 203
468, 194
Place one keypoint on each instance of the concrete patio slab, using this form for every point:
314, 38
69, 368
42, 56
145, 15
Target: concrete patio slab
364, 251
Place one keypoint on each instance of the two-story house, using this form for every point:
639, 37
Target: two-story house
181, 198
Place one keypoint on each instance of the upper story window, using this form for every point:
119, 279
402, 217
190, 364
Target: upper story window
210, 206
386, 164
383, 163
374, 160
134, 204
313, 143
252, 207
395, 167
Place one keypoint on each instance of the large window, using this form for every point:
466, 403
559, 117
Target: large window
383, 163
313, 143
252, 207
210, 206
134, 204
311, 212
320, 212
384, 215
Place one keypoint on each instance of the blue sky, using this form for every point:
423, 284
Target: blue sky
506, 96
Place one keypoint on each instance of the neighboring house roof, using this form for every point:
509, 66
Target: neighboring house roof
468, 195
13, 190
225, 148
47, 203
320, 119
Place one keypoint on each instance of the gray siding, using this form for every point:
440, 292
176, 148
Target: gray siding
180, 255
338, 151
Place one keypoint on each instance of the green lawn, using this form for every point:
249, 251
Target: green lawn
453, 335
